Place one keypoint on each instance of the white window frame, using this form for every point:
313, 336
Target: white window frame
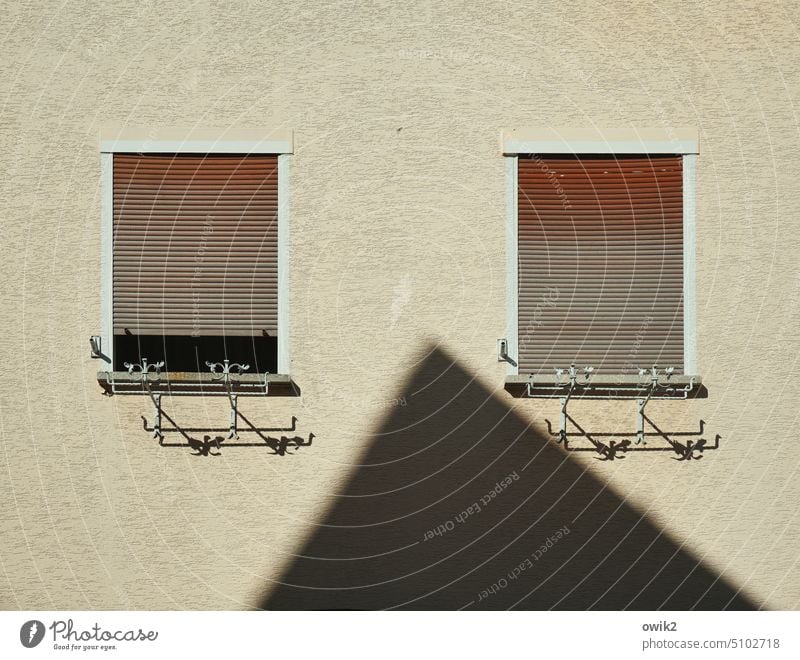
177, 141
586, 141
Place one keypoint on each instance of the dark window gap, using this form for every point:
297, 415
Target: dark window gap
186, 353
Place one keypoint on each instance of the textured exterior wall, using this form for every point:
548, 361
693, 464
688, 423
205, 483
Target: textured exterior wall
398, 221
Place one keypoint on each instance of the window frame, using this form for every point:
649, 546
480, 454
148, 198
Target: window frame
590, 141
178, 141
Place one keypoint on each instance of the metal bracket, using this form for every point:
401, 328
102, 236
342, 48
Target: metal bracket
641, 404
502, 352
232, 432
157, 423
148, 375
225, 375
659, 387
570, 385
147, 370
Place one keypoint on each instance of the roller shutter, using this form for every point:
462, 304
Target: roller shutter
195, 245
600, 262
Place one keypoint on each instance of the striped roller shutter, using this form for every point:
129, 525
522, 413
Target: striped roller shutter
600, 262
195, 245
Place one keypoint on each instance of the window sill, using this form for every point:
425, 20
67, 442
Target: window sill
606, 386
198, 384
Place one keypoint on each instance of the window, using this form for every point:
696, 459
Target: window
195, 237
601, 234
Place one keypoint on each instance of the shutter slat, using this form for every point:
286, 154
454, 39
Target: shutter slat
195, 245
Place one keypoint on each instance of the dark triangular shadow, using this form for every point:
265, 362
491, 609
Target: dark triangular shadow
457, 503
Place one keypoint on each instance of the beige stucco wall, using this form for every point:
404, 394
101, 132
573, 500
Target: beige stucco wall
398, 221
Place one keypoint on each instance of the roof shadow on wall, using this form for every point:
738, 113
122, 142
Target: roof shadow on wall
457, 503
